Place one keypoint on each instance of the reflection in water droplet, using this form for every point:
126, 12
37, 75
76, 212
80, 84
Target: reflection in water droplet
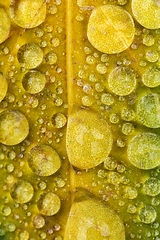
38, 221
127, 128
28, 13
44, 160
23, 235
144, 150
59, 120
152, 186
104, 32
14, 127
89, 139
51, 58
30, 55
148, 110
131, 192
49, 204
127, 114
151, 77
147, 214
5, 25
107, 99
34, 82
22, 191
122, 81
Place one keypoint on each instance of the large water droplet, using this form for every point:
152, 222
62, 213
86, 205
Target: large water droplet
91, 219
147, 13
4, 87
89, 139
5, 25
110, 29
28, 13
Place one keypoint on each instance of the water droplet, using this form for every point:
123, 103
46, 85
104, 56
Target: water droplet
4, 86
59, 120
51, 58
89, 139
30, 55
110, 163
104, 32
92, 219
127, 129
55, 42
114, 118
87, 101
148, 40
90, 59
151, 77
49, 204
23, 235
11, 227
152, 56
131, 209
14, 127
148, 110
127, 114
107, 99
152, 186
122, 81
38, 221
6, 211
44, 160
22, 191
5, 27
99, 87
28, 13
151, 20
147, 214
130, 192
101, 68
34, 82
143, 150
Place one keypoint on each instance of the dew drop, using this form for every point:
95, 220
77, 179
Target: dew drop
34, 82
14, 127
49, 204
147, 214
38, 221
151, 77
51, 58
4, 87
28, 13
22, 191
144, 150
30, 55
148, 110
152, 186
5, 25
44, 160
122, 81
